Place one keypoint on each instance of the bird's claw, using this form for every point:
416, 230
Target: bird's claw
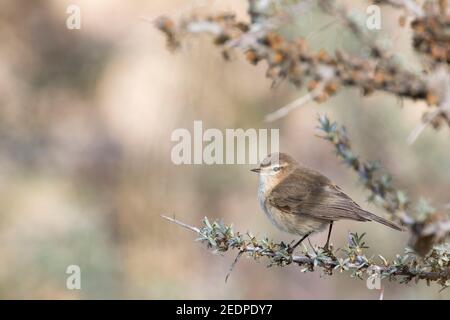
328, 249
290, 250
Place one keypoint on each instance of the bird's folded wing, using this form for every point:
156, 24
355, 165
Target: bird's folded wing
319, 199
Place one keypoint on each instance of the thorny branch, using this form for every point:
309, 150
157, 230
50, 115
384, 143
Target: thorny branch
427, 225
324, 74
434, 267
261, 40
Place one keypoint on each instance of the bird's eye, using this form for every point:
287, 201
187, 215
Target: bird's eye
276, 168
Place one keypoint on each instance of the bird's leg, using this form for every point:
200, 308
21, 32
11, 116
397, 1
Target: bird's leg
328, 237
300, 241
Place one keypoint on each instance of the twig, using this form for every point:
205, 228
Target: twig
297, 103
233, 265
424, 232
415, 133
184, 225
324, 27
408, 267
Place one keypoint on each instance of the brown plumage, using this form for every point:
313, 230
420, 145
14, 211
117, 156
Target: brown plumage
301, 201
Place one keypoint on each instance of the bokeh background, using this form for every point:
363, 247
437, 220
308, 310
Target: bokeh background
85, 171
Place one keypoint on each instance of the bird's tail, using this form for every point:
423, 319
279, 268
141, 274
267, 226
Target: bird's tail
371, 216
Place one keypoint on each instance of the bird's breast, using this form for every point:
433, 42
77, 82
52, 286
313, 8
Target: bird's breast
290, 222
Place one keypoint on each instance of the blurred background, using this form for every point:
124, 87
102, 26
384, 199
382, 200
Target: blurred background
85, 172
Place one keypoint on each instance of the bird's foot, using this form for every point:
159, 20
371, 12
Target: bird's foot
327, 248
289, 247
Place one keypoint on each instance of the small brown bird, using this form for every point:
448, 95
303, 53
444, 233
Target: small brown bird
301, 201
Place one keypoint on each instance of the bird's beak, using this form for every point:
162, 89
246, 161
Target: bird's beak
255, 170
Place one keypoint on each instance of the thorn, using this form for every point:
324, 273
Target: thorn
233, 265
282, 112
184, 225
417, 131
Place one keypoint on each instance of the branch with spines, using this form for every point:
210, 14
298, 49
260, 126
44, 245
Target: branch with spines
434, 267
428, 261
427, 225
291, 59
383, 193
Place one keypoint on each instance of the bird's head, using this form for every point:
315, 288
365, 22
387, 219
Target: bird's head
276, 165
